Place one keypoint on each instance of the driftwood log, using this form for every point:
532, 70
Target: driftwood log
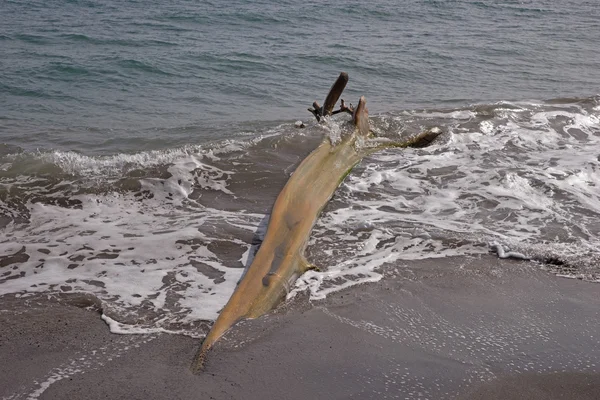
280, 259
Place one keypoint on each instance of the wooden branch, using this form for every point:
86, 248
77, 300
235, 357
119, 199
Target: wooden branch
315, 113
334, 93
344, 108
317, 110
332, 97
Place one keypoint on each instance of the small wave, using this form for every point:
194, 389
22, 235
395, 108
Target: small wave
159, 42
20, 91
116, 165
182, 17
35, 39
110, 41
66, 70
160, 26
9, 149
85, 3
255, 18
77, 37
137, 65
584, 101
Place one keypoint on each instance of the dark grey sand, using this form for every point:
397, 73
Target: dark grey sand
467, 328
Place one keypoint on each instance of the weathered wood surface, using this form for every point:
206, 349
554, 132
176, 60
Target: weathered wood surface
280, 259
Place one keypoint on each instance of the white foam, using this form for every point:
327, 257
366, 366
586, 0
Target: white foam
520, 179
128, 329
138, 257
517, 182
116, 165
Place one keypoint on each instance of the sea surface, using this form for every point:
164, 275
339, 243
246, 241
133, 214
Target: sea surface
143, 143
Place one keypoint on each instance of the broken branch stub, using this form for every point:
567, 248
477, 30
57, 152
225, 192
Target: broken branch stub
316, 110
360, 117
344, 108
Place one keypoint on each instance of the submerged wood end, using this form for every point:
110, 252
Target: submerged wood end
199, 360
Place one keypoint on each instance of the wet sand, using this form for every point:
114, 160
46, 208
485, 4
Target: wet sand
464, 328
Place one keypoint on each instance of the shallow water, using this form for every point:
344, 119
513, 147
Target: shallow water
124, 76
142, 146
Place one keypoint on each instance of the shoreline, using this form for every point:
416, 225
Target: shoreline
478, 327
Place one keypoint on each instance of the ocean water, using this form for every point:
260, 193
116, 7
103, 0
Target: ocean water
142, 144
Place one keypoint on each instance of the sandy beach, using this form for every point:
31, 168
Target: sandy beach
453, 328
